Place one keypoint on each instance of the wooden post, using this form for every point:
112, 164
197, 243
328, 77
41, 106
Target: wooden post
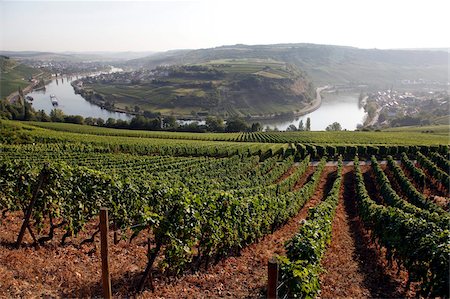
26, 220
115, 238
106, 279
273, 279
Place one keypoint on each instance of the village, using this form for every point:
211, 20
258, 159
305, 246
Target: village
400, 108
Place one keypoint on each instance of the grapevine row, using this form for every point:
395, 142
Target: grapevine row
417, 174
392, 199
433, 170
441, 162
414, 196
420, 246
301, 266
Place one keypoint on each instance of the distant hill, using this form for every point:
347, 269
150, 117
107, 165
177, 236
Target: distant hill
323, 63
75, 56
43, 56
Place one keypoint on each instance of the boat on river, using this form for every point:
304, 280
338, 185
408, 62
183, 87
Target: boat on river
54, 100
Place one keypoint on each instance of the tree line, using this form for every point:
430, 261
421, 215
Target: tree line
23, 110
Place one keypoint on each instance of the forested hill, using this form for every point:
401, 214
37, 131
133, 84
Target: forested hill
323, 63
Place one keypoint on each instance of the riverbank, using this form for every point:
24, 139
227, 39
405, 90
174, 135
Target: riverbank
317, 102
13, 97
374, 119
314, 105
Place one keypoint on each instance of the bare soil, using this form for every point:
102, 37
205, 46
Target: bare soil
354, 268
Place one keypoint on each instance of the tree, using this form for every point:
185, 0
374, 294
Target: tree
100, 122
150, 114
89, 121
122, 124
28, 112
169, 122
236, 124
301, 127
256, 127
214, 124
308, 124
56, 115
334, 127
74, 119
291, 128
42, 116
154, 124
21, 95
110, 122
138, 122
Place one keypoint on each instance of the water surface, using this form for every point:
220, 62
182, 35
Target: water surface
69, 102
343, 108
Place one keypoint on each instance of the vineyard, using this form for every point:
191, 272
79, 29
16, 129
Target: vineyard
200, 215
437, 137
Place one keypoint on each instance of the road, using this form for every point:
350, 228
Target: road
13, 97
315, 104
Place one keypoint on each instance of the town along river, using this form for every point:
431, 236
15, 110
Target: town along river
69, 102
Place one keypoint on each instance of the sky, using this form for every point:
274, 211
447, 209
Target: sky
164, 25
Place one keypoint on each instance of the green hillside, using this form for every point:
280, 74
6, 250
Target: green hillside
226, 87
325, 64
14, 75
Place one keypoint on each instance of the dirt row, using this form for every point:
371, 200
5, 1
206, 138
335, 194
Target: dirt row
354, 267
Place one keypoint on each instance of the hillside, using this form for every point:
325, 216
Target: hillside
227, 87
324, 63
14, 75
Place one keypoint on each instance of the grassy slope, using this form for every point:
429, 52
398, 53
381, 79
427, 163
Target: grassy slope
344, 137
14, 75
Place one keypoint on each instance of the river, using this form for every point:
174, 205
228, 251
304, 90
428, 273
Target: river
336, 107
69, 102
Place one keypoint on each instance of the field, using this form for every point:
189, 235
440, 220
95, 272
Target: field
200, 215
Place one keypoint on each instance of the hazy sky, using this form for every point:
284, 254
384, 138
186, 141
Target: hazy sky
164, 25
